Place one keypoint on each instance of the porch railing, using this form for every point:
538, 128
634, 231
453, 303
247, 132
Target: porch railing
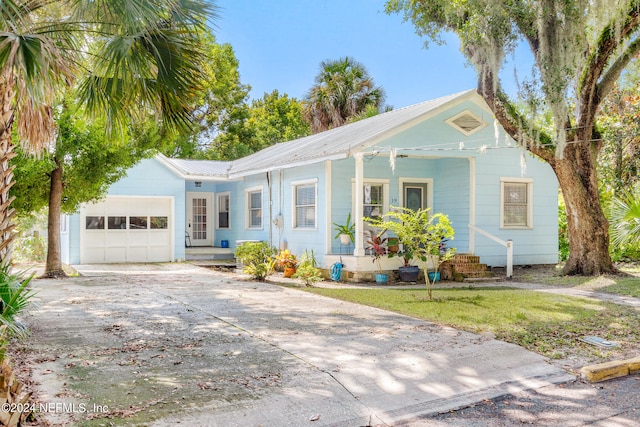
507, 244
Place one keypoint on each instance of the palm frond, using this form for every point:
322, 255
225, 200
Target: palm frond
625, 219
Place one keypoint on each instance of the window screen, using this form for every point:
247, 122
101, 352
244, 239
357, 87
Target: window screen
223, 211
306, 206
255, 209
516, 204
373, 200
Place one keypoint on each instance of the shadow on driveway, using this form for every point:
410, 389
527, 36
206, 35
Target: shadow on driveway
166, 343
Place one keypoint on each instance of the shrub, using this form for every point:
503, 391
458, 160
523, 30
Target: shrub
308, 270
257, 259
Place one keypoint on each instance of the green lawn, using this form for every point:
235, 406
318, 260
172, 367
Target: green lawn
545, 323
626, 283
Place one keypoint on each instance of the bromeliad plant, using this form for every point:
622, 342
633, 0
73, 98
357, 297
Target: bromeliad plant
421, 236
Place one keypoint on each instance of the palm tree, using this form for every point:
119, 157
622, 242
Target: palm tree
343, 89
625, 219
125, 58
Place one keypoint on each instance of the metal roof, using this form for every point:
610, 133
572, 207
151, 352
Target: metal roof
339, 142
200, 169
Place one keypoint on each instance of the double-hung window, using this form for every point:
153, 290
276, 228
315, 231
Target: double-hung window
305, 196
516, 206
254, 208
373, 200
223, 204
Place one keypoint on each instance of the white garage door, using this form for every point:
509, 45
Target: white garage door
127, 229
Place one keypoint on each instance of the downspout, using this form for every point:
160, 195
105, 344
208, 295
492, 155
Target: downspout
270, 209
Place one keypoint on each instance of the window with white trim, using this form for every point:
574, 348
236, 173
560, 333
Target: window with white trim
516, 203
305, 196
223, 205
254, 208
373, 200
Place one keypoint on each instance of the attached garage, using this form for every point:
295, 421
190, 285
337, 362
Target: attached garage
127, 229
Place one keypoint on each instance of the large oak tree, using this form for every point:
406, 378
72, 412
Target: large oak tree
580, 48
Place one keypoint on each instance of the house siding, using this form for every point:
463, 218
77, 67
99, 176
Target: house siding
462, 172
148, 178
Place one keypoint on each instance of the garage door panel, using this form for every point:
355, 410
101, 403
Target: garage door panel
116, 254
158, 238
120, 241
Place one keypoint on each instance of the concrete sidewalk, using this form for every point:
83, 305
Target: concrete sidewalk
174, 343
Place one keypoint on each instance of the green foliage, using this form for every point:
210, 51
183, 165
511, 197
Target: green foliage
14, 297
343, 89
347, 228
619, 125
30, 248
308, 270
624, 218
257, 259
420, 233
563, 233
275, 118
28, 245
308, 274
90, 162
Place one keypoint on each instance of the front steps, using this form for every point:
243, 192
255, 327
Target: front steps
208, 253
466, 268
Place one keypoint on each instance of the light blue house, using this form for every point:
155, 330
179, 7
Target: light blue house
448, 154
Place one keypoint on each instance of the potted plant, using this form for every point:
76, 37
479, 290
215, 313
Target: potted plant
421, 235
375, 246
288, 262
345, 231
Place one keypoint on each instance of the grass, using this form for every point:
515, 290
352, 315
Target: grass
545, 323
626, 283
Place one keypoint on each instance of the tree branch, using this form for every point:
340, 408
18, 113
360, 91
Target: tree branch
590, 93
515, 124
613, 73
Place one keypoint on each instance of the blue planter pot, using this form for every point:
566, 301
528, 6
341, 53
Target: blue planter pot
434, 276
381, 278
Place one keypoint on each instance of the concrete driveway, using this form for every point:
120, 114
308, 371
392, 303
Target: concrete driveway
165, 344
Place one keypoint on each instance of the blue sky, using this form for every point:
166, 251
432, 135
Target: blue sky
280, 44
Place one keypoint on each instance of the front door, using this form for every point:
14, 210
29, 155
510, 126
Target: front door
415, 195
199, 219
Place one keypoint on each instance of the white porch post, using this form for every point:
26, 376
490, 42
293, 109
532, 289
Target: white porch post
472, 204
359, 213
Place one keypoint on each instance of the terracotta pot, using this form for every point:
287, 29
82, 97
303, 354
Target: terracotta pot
289, 271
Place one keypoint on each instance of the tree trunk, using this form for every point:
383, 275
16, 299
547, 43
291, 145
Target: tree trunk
588, 228
54, 258
6, 171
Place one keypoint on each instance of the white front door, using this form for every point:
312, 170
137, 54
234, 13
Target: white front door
200, 219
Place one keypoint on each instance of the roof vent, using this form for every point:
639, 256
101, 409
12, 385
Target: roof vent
466, 122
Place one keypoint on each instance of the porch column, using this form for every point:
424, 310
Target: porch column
358, 249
